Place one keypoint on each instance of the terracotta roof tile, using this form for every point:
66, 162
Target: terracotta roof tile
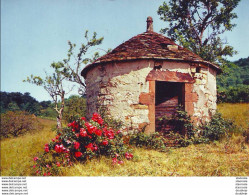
148, 45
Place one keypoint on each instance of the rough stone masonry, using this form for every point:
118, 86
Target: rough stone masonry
124, 81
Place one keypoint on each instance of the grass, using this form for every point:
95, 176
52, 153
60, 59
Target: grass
224, 158
17, 153
195, 160
238, 112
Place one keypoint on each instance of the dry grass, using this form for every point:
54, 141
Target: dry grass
17, 153
238, 112
196, 160
225, 158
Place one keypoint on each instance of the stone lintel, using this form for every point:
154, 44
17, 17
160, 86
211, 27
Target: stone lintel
157, 75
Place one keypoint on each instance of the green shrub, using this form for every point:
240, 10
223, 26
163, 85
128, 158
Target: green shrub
18, 123
153, 141
75, 107
180, 122
217, 128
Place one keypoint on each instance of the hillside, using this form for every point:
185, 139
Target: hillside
236, 74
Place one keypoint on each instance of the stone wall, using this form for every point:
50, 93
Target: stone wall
205, 87
117, 87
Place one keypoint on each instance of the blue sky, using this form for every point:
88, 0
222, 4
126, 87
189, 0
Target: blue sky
34, 33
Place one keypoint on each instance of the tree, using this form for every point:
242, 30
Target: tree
198, 24
66, 70
53, 84
17, 123
75, 107
72, 68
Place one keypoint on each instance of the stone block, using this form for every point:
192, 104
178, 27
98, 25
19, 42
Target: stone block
146, 98
139, 106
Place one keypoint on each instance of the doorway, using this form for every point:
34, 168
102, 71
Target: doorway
169, 95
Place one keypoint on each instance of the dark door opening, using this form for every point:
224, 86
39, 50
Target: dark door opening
169, 95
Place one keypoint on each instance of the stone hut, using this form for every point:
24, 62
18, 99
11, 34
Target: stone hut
147, 77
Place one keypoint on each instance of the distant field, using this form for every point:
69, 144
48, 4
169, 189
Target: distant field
225, 158
238, 112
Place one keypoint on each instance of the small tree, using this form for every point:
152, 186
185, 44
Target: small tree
66, 70
197, 24
17, 123
72, 68
53, 84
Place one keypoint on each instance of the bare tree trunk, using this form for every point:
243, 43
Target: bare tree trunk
59, 126
60, 112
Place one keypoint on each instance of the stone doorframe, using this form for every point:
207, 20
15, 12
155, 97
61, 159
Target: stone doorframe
189, 97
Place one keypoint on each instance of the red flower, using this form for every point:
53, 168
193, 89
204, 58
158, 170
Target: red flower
97, 118
34, 166
119, 131
77, 154
48, 173
95, 148
120, 162
53, 140
100, 121
83, 132
36, 158
105, 142
58, 164
98, 132
74, 125
59, 148
128, 155
83, 118
90, 146
109, 133
46, 148
90, 128
76, 145
77, 134
114, 161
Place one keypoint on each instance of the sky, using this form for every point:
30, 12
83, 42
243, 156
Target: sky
34, 33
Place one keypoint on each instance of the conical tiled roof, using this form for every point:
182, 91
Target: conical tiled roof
148, 45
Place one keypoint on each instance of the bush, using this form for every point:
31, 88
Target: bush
153, 141
180, 122
82, 141
217, 128
18, 123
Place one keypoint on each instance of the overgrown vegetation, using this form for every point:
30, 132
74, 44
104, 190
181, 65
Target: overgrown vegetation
153, 141
184, 133
17, 123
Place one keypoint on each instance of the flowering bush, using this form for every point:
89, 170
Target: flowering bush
82, 140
